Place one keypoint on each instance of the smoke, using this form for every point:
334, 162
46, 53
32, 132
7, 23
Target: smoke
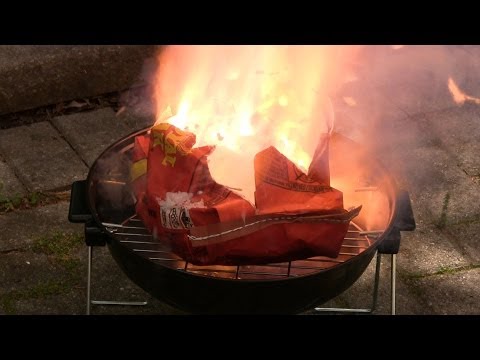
244, 99
394, 89
379, 93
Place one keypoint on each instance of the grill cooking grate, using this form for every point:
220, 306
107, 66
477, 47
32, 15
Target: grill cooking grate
133, 234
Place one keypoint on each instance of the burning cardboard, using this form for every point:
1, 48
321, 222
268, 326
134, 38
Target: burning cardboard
295, 216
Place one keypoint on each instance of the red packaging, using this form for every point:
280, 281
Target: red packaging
296, 215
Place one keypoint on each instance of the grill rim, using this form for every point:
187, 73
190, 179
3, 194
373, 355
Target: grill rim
392, 185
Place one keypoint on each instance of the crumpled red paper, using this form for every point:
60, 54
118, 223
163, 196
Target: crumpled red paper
296, 215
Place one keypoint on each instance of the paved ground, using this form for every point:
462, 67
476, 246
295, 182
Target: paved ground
38, 75
427, 140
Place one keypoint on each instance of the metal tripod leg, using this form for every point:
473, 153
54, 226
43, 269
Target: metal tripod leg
100, 302
374, 300
89, 277
393, 282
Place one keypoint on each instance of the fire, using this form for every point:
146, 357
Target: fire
458, 95
245, 98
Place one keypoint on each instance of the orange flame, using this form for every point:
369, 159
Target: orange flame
458, 95
246, 98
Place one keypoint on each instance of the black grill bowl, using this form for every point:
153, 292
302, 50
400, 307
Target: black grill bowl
209, 295
200, 290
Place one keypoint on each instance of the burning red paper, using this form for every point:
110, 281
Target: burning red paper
296, 215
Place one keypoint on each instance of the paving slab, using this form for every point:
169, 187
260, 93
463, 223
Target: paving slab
22, 269
364, 114
73, 303
39, 75
466, 71
360, 294
33, 284
416, 77
428, 250
20, 228
36, 284
467, 237
41, 157
459, 130
414, 98
90, 133
110, 283
452, 294
10, 185
429, 167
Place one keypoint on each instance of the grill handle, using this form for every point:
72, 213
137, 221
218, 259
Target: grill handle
404, 221
79, 211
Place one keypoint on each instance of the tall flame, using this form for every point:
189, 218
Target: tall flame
246, 98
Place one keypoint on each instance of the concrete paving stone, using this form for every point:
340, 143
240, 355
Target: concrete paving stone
360, 294
427, 250
38, 75
451, 294
456, 202
430, 169
382, 65
40, 157
415, 98
416, 77
20, 228
23, 269
395, 143
467, 236
370, 122
111, 284
23, 272
459, 129
72, 304
90, 133
466, 70
137, 120
10, 186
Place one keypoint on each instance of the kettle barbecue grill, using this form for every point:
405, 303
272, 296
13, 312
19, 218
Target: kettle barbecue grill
105, 203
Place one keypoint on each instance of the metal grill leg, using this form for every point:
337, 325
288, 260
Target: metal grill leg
374, 300
393, 282
377, 281
101, 302
89, 277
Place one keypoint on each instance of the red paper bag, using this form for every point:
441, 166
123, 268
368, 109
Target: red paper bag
296, 216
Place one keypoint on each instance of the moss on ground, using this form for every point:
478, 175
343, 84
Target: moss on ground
13, 202
58, 244
41, 290
444, 270
442, 222
62, 251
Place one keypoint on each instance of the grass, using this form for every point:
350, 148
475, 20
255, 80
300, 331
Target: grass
15, 202
47, 288
59, 244
442, 222
445, 270
61, 248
